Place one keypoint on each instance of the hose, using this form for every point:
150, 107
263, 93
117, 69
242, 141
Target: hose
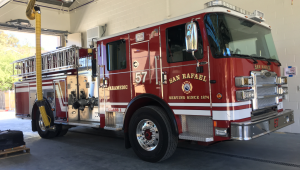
35, 13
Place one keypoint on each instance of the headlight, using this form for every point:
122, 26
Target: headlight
242, 95
281, 80
243, 81
282, 90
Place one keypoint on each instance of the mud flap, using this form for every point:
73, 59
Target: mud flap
33, 126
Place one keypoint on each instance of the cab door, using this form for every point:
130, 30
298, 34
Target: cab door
146, 67
186, 90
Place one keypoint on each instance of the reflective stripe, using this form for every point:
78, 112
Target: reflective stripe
59, 96
232, 114
192, 112
189, 104
231, 104
214, 104
20, 90
116, 103
44, 87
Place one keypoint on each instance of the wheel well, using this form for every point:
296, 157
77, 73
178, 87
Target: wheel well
146, 100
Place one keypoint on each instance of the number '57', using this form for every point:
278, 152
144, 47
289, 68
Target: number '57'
140, 77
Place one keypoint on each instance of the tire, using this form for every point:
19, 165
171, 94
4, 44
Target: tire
44, 133
60, 131
162, 142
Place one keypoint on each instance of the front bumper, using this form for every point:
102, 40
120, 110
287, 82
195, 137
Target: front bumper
261, 125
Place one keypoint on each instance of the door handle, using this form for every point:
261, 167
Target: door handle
156, 76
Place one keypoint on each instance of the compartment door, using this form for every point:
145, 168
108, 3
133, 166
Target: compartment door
61, 98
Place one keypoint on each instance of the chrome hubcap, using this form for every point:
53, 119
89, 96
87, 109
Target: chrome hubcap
147, 135
41, 124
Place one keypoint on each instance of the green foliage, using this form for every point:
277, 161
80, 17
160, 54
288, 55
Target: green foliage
10, 50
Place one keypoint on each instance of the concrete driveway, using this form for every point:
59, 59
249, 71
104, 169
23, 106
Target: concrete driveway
87, 149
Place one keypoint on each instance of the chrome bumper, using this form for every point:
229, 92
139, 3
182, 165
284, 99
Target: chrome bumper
261, 125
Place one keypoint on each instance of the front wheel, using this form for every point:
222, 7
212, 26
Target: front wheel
151, 135
41, 128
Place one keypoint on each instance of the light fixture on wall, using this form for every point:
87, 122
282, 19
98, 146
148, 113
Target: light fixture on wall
68, 1
4, 2
19, 22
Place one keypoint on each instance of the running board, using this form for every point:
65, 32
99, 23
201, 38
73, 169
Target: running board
81, 123
113, 128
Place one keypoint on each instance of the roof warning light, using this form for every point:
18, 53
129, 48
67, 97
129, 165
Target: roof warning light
256, 15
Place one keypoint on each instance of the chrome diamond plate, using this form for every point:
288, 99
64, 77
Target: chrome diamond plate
196, 128
265, 80
261, 91
265, 89
266, 102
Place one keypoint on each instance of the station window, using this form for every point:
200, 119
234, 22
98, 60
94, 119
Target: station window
176, 47
116, 55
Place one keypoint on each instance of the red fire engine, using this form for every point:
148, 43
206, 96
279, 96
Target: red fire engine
208, 76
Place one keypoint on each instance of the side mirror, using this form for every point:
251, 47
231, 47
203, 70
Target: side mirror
191, 36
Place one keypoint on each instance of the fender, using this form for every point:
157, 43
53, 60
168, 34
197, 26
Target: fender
145, 100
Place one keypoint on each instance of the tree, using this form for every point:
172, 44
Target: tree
10, 50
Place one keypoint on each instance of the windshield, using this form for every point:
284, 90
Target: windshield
233, 36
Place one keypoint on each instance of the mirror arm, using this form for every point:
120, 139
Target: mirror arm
193, 54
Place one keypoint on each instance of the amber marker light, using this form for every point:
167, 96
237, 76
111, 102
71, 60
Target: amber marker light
215, 123
228, 11
219, 96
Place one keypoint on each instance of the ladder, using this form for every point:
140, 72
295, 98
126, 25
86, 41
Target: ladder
59, 60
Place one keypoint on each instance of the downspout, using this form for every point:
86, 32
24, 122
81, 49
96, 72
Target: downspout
32, 13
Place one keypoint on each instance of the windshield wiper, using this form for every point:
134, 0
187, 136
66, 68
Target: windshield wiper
246, 56
262, 58
274, 60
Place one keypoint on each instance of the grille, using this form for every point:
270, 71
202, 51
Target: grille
266, 102
196, 128
262, 91
265, 80
265, 90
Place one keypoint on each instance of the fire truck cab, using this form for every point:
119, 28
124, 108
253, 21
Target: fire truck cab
208, 76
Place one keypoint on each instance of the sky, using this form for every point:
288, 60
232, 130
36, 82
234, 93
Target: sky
48, 42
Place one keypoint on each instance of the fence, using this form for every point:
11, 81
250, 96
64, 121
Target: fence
7, 100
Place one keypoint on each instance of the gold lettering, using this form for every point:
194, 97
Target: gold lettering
192, 97
196, 76
177, 77
174, 79
204, 79
122, 87
192, 75
200, 77
183, 76
170, 80
204, 97
176, 97
188, 76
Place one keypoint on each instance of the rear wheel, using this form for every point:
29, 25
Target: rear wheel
151, 135
61, 131
41, 128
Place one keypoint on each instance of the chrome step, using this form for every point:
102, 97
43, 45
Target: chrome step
195, 137
81, 123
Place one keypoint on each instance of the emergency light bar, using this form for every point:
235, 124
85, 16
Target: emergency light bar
256, 15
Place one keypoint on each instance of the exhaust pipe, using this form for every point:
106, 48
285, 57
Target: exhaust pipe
32, 13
